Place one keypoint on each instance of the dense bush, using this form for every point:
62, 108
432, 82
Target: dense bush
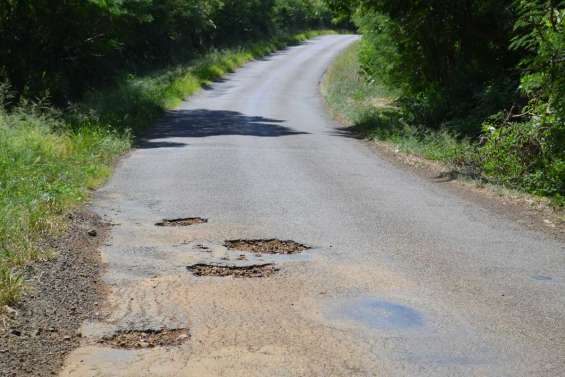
526, 144
300, 14
490, 70
445, 55
65, 47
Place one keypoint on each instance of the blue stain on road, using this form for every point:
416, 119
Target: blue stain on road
380, 314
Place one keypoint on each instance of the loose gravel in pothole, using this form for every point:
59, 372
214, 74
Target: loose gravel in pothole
187, 221
135, 339
253, 271
268, 246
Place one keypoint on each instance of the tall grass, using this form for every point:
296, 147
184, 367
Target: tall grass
368, 107
45, 169
506, 156
49, 160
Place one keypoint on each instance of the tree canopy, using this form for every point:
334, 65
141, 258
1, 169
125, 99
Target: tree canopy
64, 47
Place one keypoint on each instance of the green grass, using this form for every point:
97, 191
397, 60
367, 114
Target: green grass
50, 160
348, 93
368, 107
137, 101
45, 169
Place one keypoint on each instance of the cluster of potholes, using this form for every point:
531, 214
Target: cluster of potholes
165, 337
256, 246
367, 311
373, 313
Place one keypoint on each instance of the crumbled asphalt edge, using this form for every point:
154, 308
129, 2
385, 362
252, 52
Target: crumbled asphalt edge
135, 339
251, 271
267, 246
62, 293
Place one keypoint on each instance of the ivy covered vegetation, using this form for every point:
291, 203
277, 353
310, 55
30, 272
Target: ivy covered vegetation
481, 83
78, 78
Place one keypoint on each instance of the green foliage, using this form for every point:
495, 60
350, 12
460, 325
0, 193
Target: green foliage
379, 54
492, 71
368, 107
517, 156
443, 55
300, 14
541, 31
64, 48
45, 168
528, 149
11, 287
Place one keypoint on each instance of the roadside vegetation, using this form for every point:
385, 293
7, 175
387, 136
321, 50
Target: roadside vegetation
479, 85
81, 78
370, 108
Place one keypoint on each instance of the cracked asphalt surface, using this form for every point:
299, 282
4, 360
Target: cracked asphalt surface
404, 278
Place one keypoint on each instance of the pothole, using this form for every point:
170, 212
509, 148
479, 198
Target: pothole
268, 246
186, 221
135, 339
252, 271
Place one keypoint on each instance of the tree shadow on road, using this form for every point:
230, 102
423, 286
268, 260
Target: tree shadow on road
151, 144
206, 123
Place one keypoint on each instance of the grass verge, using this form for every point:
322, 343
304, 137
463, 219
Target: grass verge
368, 109
49, 160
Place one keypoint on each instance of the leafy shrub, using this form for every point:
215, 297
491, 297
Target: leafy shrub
490, 74
527, 150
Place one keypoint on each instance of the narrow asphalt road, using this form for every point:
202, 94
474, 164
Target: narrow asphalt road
404, 278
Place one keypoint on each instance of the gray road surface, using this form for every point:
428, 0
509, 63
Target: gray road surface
404, 278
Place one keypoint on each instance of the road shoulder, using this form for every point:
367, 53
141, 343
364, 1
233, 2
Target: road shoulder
528, 211
61, 293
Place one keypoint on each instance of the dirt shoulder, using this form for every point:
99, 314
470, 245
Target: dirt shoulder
534, 213
61, 293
